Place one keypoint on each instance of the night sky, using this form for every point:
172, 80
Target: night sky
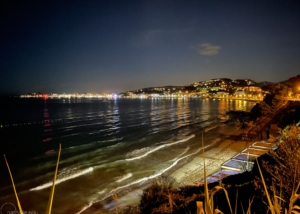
106, 46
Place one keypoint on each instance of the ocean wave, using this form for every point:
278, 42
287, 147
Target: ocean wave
144, 179
123, 177
158, 173
102, 191
63, 178
185, 151
210, 128
85, 208
97, 142
149, 150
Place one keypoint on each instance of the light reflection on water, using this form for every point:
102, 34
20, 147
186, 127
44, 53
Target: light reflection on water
101, 134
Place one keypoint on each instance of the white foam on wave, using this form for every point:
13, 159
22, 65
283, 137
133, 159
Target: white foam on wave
160, 147
122, 178
96, 142
85, 207
102, 191
185, 151
210, 128
46, 185
142, 180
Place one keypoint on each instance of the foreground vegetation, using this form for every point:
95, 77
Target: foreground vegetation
50, 201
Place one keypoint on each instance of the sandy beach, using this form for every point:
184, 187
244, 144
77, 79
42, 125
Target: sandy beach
193, 171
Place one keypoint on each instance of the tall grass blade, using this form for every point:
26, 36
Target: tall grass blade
280, 194
217, 211
115, 198
228, 201
271, 207
236, 200
13, 183
242, 208
199, 205
208, 208
49, 206
249, 208
293, 199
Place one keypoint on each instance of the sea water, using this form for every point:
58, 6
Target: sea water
108, 146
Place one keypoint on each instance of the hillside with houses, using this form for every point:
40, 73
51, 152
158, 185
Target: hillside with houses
214, 88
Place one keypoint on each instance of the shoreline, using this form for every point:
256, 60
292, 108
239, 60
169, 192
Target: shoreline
191, 172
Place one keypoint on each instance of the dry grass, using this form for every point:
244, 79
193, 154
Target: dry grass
50, 201
115, 198
13, 184
209, 197
161, 197
282, 169
276, 203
